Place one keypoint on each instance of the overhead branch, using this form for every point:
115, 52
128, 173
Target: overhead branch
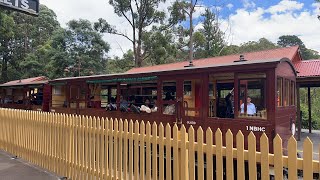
125, 16
136, 2
121, 34
194, 5
132, 15
185, 11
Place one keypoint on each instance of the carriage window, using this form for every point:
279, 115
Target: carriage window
58, 96
192, 97
279, 92
220, 99
252, 96
287, 91
57, 90
293, 94
101, 95
169, 90
138, 97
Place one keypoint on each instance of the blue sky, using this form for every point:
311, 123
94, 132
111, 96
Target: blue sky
241, 20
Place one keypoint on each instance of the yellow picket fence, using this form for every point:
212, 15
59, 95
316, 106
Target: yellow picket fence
93, 148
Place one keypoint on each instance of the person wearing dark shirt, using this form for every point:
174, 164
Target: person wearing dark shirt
229, 105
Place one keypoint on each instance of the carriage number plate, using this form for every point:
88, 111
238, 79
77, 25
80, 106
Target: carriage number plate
256, 128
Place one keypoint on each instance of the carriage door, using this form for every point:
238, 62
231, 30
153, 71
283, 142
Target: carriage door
192, 101
77, 97
74, 98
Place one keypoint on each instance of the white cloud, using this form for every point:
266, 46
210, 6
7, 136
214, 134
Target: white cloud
198, 11
258, 23
248, 4
229, 6
75, 9
272, 22
284, 6
67, 10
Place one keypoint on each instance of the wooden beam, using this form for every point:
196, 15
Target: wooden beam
309, 109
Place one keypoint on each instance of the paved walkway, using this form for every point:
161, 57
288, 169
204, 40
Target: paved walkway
18, 169
314, 137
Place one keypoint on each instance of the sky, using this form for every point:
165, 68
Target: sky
241, 20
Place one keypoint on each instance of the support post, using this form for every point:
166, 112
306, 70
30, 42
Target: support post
299, 113
309, 109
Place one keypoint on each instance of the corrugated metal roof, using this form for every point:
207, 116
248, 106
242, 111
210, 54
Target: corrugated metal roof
252, 57
287, 52
29, 81
308, 68
254, 61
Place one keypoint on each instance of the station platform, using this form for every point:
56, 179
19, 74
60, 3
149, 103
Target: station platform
314, 137
17, 169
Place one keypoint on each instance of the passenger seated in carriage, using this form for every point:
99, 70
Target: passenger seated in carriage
112, 106
124, 104
251, 108
146, 106
171, 108
133, 107
154, 106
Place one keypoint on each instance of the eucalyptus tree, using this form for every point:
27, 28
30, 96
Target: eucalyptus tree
83, 49
6, 35
180, 11
214, 37
140, 14
27, 33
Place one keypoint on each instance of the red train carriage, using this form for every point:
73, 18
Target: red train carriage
194, 95
30, 94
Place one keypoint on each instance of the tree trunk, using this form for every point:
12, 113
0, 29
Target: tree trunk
139, 48
139, 55
4, 69
135, 53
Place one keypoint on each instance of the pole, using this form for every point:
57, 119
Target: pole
309, 109
79, 66
191, 36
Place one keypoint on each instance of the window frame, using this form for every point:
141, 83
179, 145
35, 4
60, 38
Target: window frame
251, 77
279, 92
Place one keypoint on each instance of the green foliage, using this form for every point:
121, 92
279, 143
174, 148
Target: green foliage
122, 65
78, 46
182, 11
213, 37
26, 34
140, 15
251, 46
293, 40
315, 110
159, 47
34, 46
178, 12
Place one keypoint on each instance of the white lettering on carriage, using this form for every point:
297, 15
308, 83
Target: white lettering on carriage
256, 128
191, 122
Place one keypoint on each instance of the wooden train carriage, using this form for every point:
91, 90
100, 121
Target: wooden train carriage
29, 94
191, 95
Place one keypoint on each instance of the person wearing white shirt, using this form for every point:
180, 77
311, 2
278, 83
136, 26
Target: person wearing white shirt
251, 108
